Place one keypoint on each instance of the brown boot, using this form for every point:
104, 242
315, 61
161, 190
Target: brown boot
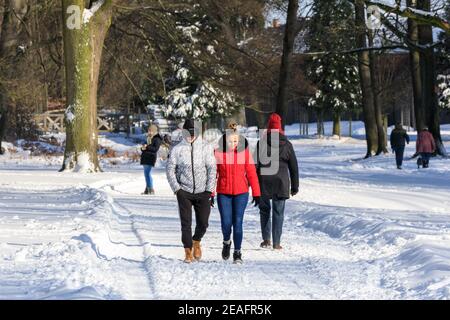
197, 250
188, 258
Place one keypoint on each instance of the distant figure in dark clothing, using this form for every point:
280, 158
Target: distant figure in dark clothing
399, 138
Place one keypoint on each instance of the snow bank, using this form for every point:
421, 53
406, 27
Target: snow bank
358, 229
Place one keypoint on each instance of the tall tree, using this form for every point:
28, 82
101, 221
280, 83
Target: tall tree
335, 75
423, 73
376, 89
366, 80
14, 12
85, 29
286, 60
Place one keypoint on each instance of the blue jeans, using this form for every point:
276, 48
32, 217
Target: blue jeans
148, 176
274, 228
232, 210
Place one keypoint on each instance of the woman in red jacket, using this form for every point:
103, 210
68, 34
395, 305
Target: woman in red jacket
425, 146
236, 171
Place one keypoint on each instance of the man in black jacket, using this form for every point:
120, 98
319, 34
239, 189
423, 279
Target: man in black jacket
399, 138
278, 175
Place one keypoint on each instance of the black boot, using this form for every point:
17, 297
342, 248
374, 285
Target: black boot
265, 244
146, 191
226, 251
237, 257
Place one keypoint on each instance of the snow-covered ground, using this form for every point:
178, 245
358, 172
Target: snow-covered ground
358, 229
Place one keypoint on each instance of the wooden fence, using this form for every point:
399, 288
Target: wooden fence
54, 122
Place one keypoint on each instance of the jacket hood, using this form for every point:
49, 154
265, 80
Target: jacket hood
198, 140
281, 138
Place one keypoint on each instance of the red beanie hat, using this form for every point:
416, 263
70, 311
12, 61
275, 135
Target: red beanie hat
275, 123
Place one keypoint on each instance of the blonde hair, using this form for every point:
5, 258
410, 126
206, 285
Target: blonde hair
233, 126
152, 131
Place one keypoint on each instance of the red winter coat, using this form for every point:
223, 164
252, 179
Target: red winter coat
236, 170
425, 142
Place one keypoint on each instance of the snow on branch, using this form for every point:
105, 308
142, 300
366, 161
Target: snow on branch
420, 16
89, 13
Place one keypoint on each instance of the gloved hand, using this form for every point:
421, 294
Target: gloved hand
212, 201
294, 192
256, 201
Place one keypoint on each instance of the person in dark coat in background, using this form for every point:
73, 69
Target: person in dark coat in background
277, 169
399, 139
149, 156
425, 146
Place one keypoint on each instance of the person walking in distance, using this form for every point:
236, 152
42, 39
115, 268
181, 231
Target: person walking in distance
236, 171
191, 172
425, 146
277, 169
399, 139
149, 156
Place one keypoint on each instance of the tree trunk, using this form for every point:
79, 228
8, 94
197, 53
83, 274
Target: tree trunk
350, 133
307, 122
366, 81
15, 11
337, 125
428, 69
416, 71
374, 62
83, 51
423, 74
2, 127
288, 48
319, 125
11, 27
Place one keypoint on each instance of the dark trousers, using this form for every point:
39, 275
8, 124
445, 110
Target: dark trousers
399, 151
275, 227
232, 209
202, 207
425, 158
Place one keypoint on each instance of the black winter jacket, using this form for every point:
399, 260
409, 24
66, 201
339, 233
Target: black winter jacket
398, 138
285, 180
150, 154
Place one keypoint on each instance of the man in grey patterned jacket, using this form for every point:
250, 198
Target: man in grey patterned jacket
191, 172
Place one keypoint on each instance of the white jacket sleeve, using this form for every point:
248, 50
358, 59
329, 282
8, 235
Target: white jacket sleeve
211, 169
171, 171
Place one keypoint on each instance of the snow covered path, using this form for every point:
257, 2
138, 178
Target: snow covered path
357, 230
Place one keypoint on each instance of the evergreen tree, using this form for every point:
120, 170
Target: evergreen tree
335, 75
444, 67
192, 92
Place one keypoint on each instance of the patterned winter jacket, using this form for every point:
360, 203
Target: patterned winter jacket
192, 167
